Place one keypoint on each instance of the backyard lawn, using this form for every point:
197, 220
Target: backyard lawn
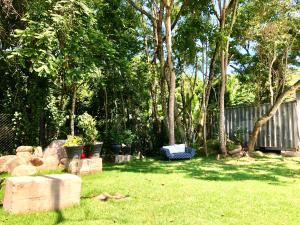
197, 191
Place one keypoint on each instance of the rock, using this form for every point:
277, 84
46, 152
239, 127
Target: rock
102, 197
28, 194
64, 161
4, 160
25, 155
14, 162
51, 162
38, 151
236, 150
257, 154
36, 161
85, 166
25, 149
56, 149
73, 166
122, 158
290, 153
24, 170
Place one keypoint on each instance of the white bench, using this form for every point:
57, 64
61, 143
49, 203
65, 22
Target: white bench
41, 193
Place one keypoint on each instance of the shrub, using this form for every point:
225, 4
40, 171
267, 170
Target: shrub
73, 141
88, 126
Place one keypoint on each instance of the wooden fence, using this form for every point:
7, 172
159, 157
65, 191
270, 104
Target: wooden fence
281, 131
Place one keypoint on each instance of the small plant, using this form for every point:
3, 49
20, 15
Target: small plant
73, 141
128, 137
88, 126
238, 135
116, 138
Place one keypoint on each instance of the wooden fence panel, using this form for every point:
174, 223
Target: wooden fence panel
281, 131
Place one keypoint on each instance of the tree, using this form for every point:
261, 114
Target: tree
225, 9
60, 47
265, 118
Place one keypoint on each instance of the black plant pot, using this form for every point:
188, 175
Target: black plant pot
116, 148
128, 150
74, 151
95, 150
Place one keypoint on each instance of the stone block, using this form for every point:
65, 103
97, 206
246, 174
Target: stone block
24, 170
123, 158
14, 162
41, 193
85, 166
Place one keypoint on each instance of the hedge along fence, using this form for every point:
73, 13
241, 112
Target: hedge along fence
7, 134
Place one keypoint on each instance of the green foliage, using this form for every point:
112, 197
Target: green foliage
88, 126
238, 135
128, 137
73, 141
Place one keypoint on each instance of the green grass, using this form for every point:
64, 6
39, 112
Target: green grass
198, 191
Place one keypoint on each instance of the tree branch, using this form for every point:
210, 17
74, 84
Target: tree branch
215, 10
182, 8
141, 10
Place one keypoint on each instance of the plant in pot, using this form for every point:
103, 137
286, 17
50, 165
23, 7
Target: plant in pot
87, 124
74, 146
128, 138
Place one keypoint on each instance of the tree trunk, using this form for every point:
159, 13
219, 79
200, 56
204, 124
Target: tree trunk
265, 118
171, 73
222, 135
162, 64
182, 92
72, 118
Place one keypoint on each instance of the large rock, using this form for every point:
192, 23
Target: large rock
25, 149
14, 162
51, 163
38, 151
25, 155
24, 170
4, 160
36, 161
56, 149
41, 193
290, 153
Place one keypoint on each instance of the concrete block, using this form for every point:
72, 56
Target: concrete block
41, 193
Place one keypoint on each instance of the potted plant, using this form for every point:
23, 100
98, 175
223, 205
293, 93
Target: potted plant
74, 146
87, 124
128, 138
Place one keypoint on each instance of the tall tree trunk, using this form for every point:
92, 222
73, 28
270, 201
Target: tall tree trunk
265, 118
171, 74
162, 64
225, 8
183, 99
222, 135
72, 118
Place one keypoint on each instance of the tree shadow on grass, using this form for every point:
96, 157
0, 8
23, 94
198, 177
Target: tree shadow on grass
264, 169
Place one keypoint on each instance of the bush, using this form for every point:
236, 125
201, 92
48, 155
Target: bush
73, 141
88, 126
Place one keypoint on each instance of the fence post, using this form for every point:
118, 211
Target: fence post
298, 115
